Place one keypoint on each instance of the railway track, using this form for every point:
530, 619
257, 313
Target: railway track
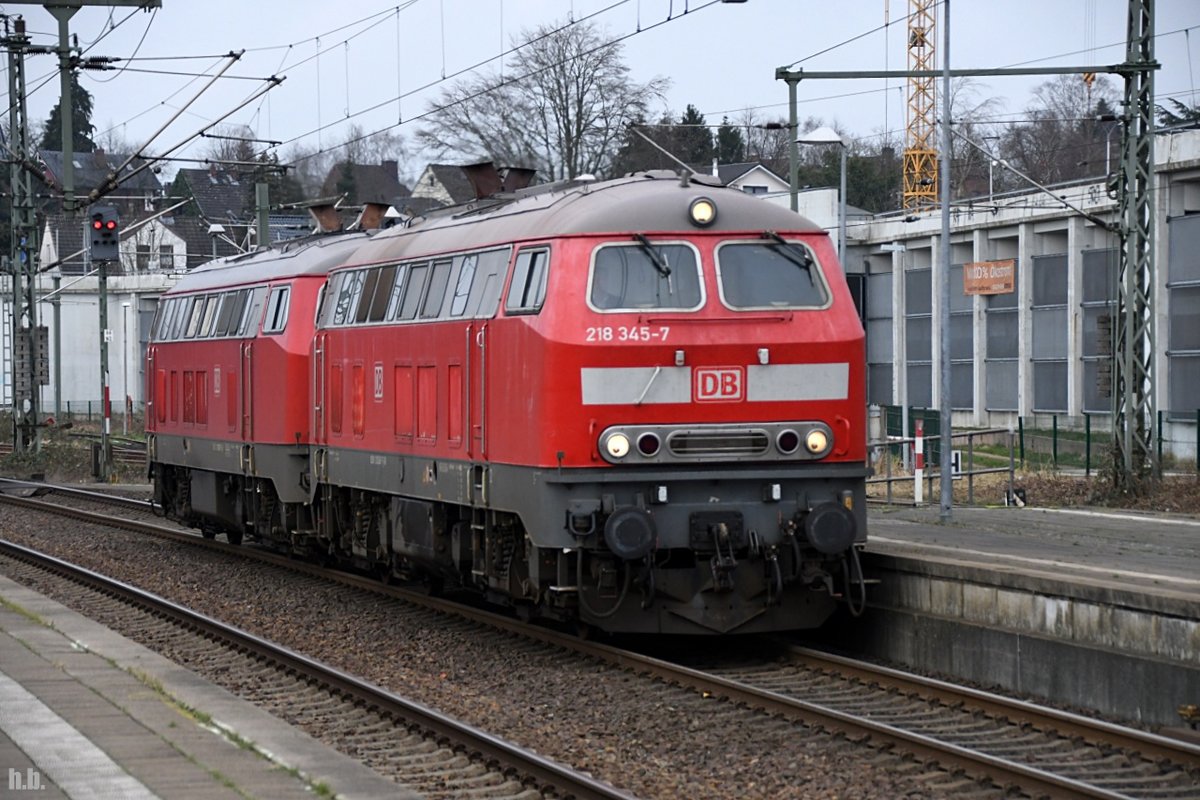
418, 747
995, 740
123, 452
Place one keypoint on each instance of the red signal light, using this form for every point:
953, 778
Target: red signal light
96, 224
111, 224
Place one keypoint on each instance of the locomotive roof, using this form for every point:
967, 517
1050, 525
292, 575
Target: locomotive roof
649, 202
314, 255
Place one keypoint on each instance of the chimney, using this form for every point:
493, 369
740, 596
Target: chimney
517, 178
392, 168
484, 179
326, 217
371, 216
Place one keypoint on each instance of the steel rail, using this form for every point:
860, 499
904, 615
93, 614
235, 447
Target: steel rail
547, 774
999, 770
1152, 746
9, 484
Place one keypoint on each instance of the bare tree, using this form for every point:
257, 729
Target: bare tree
767, 140
230, 143
973, 117
112, 140
375, 148
1063, 139
565, 114
310, 165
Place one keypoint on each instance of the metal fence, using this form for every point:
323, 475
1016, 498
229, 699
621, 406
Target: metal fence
1060, 441
973, 454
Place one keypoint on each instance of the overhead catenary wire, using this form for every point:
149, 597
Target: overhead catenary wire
1030, 62
482, 63
136, 50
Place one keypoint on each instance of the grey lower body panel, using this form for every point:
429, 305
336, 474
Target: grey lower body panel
698, 550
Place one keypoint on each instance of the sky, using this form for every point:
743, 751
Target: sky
349, 68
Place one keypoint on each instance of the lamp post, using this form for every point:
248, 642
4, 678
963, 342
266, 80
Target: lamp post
827, 135
993, 162
1109, 118
125, 364
215, 230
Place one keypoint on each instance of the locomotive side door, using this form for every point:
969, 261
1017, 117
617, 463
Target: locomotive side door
320, 342
246, 376
476, 391
152, 389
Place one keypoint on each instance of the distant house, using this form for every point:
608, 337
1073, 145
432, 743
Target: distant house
223, 201
751, 177
220, 199
133, 195
446, 184
453, 184
162, 244
218, 194
366, 183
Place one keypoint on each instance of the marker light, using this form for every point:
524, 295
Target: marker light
648, 444
788, 441
617, 445
816, 441
703, 212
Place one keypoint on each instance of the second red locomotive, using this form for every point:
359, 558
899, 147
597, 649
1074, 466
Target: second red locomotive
638, 404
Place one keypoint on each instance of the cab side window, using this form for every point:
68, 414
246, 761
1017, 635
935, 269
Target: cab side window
528, 289
277, 310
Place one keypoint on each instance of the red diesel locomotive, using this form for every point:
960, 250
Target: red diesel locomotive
637, 404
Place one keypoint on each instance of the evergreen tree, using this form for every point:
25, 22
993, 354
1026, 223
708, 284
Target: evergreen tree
282, 187
1182, 115
636, 154
345, 182
731, 146
693, 142
81, 122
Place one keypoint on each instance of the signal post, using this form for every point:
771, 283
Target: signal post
104, 237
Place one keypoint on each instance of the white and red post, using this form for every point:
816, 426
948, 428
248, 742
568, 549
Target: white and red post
919, 462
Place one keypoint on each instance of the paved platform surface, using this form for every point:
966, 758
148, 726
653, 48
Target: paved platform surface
1094, 608
86, 713
1145, 552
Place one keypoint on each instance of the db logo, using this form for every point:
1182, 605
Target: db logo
719, 384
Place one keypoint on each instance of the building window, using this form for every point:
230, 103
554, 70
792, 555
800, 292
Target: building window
143, 257
752, 189
166, 256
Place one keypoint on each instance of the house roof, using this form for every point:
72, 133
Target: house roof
67, 238
373, 183
415, 206
194, 231
454, 180
728, 173
91, 170
220, 195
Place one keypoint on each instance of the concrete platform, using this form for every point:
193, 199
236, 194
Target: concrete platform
1093, 608
86, 713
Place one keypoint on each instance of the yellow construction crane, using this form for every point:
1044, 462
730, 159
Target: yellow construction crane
920, 156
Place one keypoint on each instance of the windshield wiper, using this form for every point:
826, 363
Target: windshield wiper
655, 257
797, 255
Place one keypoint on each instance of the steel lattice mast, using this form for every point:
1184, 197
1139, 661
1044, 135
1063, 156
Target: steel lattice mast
27, 377
920, 154
1134, 455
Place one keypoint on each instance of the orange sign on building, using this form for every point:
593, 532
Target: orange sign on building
989, 277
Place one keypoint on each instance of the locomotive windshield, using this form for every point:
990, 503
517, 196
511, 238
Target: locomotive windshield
770, 275
645, 275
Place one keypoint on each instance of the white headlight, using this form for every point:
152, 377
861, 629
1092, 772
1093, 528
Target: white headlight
617, 445
816, 441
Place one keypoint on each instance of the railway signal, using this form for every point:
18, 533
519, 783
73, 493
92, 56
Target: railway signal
104, 233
